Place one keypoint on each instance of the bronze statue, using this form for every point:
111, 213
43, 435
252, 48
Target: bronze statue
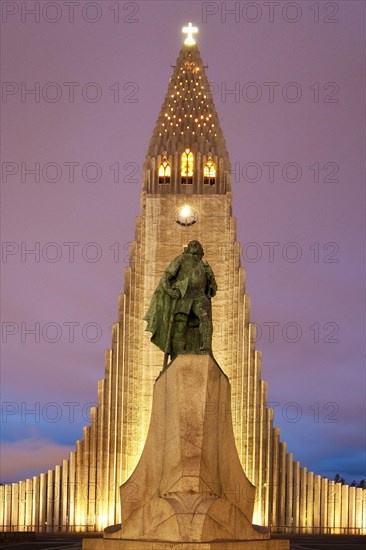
179, 315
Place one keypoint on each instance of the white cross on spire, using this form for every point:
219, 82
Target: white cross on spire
189, 41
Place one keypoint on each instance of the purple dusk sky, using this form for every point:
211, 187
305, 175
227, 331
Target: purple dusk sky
288, 85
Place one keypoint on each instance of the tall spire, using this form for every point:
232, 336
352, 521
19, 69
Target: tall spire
188, 120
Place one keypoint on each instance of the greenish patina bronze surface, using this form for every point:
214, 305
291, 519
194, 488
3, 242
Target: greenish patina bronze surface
180, 315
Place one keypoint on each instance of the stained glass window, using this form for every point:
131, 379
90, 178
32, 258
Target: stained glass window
164, 171
209, 172
187, 166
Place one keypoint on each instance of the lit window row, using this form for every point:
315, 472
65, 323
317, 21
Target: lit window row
186, 170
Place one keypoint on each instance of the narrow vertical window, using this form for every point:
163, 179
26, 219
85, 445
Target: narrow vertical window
209, 172
164, 171
187, 166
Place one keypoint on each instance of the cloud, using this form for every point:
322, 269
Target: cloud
28, 457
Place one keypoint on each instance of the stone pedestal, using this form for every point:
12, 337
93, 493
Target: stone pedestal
189, 490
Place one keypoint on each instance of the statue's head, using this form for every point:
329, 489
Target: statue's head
195, 248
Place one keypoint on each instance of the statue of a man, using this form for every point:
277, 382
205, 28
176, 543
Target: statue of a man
179, 315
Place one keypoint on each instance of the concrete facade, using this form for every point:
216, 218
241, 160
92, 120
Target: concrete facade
82, 493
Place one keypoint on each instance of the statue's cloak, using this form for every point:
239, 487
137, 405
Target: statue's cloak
158, 318
163, 307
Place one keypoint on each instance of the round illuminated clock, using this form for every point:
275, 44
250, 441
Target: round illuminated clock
186, 215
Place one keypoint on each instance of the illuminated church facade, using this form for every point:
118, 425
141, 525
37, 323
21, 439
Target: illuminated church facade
186, 195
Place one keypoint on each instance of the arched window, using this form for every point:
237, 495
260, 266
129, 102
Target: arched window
209, 172
187, 166
164, 171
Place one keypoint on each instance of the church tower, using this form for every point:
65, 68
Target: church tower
186, 195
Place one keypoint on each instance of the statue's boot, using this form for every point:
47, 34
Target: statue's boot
179, 334
205, 329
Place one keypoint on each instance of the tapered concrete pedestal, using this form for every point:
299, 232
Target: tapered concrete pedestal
189, 490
